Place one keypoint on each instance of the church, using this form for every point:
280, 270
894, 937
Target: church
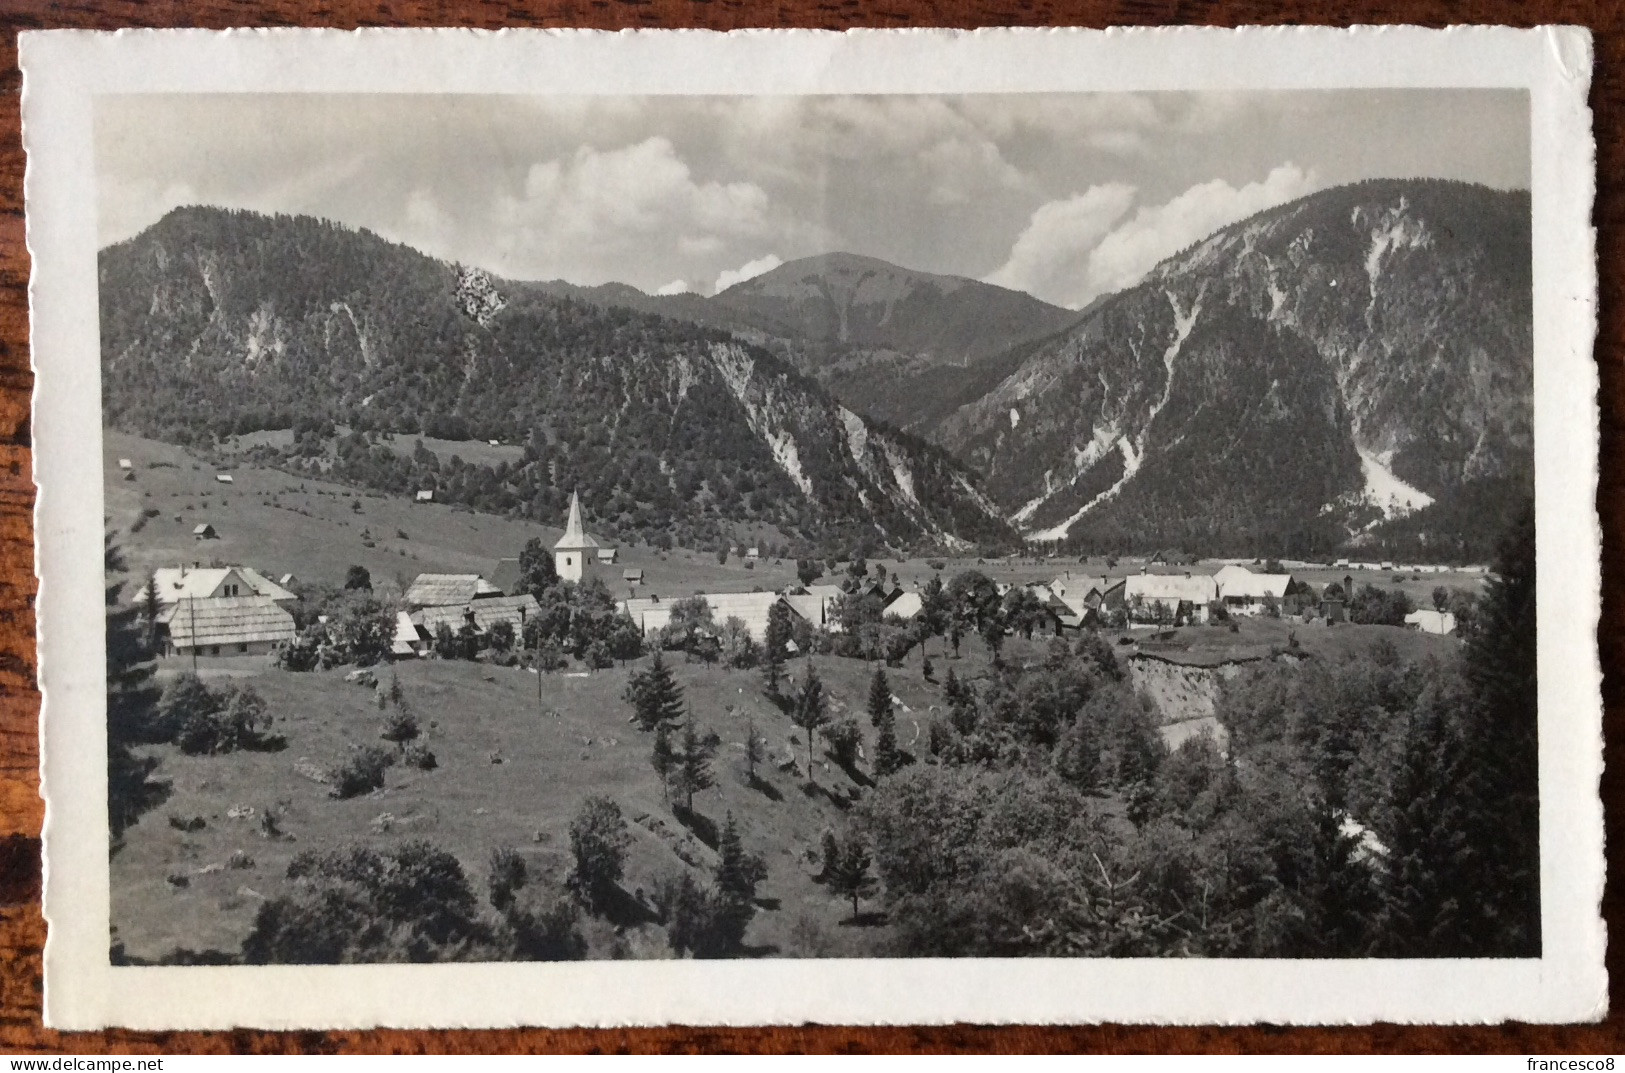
575, 549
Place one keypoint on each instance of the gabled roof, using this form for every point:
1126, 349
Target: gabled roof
506, 576
487, 613
652, 613
406, 635
447, 590
808, 607
224, 620
1238, 582
632, 573
202, 527
575, 537
1191, 588
177, 583
905, 605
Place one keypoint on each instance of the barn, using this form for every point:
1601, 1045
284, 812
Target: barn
205, 531
229, 626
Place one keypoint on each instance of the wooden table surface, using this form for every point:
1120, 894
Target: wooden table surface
22, 930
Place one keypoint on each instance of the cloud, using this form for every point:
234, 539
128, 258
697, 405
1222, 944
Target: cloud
1154, 233
1051, 257
676, 286
1081, 247
748, 270
597, 207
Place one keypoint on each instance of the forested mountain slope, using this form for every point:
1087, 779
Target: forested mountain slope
1354, 366
902, 346
217, 322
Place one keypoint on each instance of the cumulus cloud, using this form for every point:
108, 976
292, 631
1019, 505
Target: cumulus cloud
676, 286
600, 205
1156, 232
748, 270
1050, 259
1081, 247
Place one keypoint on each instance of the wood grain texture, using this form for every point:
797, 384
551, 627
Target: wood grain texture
22, 931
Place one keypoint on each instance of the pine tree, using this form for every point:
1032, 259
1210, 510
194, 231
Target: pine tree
663, 759
850, 877
810, 714
1501, 754
692, 771
776, 638
1423, 896
654, 694
879, 697
132, 699
887, 757
772, 669
738, 872
755, 748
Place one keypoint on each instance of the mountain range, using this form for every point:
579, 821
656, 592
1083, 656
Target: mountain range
1353, 368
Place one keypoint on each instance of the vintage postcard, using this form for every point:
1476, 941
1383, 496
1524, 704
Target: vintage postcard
575, 528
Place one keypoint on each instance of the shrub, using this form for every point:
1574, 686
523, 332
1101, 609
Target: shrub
362, 773
355, 904
417, 755
400, 726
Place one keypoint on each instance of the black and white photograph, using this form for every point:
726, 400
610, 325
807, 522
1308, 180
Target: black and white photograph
626, 527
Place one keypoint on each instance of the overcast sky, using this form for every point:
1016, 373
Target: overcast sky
1064, 196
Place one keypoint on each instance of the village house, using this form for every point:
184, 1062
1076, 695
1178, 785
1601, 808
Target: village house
1245, 593
223, 478
632, 575
175, 583
205, 531
651, 614
409, 640
481, 614
814, 603
448, 590
1172, 598
607, 556
905, 605
228, 625
424, 495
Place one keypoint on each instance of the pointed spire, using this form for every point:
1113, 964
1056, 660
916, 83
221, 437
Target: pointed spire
575, 535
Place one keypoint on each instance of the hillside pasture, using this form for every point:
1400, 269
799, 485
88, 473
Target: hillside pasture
559, 740
279, 523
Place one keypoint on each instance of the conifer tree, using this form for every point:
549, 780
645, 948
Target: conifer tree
887, 756
879, 697
132, 699
755, 747
850, 877
811, 713
654, 694
663, 759
692, 770
738, 872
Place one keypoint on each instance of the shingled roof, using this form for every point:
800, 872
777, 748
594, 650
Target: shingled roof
487, 613
230, 620
448, 590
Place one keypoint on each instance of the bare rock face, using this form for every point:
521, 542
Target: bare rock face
217, 322
1354, 365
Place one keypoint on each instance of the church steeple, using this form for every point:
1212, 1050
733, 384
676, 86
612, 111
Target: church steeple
571, 552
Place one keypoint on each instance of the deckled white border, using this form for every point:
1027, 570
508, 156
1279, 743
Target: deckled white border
64, 69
